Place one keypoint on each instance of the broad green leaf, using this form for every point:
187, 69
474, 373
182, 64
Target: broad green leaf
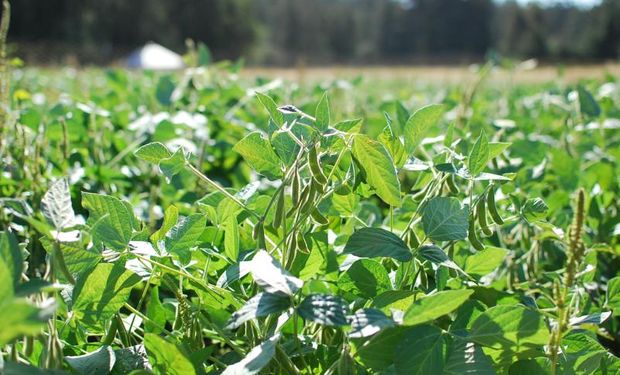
258, 153
19, 318
534, 209
496, 148
167, 358
365, 278
378, 167
78, 260
165, 87
423, 350
56, 205
444, 219
100, 295
324, 309
231, 238
322, 113
587, 104
479, 155
377, 242
485, 261
256, 359
173, 165
11, 256
436, 255
270, 275
99, 362
509, 326
111, 218
183, 236
367, 322
153, 152
419, 123
613, 295
394, 300
7, 285
379, 351
15, 368
260, 305
434, 306
467, 358
272, 108
155, 312
171, 217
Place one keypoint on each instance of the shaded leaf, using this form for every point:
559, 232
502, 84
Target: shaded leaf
377, 242
256, 359
431, 307
324, 309
444, 219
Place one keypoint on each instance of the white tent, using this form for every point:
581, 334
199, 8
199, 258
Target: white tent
155, 57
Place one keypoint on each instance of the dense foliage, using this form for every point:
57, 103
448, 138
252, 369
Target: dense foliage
198, 223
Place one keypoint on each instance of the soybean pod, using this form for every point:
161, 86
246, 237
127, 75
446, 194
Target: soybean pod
481, 213
473, 238
493, 207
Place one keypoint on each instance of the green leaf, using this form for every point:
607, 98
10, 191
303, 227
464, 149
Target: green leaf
429, 356
11, 256
56, 205
19, 318
256, 359
153, 152
479, 155
379, 351
365, 278
270, 275
377, 242
378, 167
171, 217
100, 295
173, 165
78, 260
167, 358
258, 153
183, 236
113, 221
496, 148
272, 108
99, 362
444, 219
485, 261
613, 295
367, 322
419, 123
7, 286
322, 113
165, 88
260, 305
435, 306
436, 255
467, 358
587, 104
534, 209
509, 326
231, 238
324, 309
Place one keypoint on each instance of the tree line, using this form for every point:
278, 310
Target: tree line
286, 32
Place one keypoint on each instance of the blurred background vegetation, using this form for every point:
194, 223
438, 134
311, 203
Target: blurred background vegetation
294, 32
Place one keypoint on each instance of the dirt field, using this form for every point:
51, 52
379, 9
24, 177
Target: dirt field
439, 74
